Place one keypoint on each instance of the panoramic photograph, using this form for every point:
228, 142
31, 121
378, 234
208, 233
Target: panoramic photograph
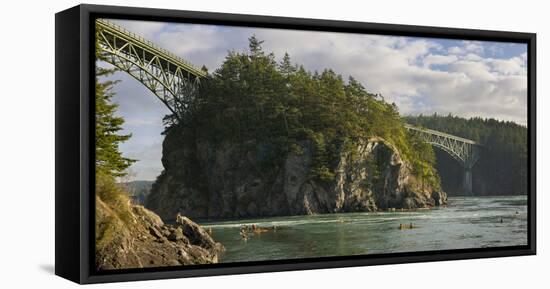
229, 144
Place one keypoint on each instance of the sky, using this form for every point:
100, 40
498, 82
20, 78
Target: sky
421, 75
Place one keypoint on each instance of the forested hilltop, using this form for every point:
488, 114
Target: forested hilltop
271, 138
252, 97
502, 168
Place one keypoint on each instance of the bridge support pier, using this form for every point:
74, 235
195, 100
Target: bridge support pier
467, 184
465, 151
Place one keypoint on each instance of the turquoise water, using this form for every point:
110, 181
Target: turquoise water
467, 222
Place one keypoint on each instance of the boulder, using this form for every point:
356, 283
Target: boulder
196, 234
129, 236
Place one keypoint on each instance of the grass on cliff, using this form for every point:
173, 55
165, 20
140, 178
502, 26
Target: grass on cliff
113, 210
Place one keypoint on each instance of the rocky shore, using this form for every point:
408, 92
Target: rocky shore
134, 237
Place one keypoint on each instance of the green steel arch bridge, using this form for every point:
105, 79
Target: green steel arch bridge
175, 81
172, 79
466, 152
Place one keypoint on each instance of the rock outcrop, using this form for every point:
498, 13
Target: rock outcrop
201, 180
134, 237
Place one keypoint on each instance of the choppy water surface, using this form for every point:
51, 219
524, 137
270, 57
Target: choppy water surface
467, 222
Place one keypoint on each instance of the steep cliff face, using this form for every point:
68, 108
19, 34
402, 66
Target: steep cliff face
226, 181
131, 236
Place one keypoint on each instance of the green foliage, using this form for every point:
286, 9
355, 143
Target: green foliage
502, 167
113, 205
422, 158
114, 195
109, 159
253, 99
321, 164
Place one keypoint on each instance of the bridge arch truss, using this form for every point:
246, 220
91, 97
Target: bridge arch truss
464, 151
173, 80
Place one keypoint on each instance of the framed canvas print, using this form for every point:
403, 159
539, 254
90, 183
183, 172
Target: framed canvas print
193, 144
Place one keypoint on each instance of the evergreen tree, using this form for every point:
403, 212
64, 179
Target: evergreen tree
109, 159
255, 46
286, 67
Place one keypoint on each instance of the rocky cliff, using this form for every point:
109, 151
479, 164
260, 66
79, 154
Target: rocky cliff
129, 236
202, 180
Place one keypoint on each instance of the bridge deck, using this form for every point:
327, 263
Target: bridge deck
148, 46
435, 132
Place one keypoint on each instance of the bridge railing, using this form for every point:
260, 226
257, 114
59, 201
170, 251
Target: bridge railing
435, 132
155, 49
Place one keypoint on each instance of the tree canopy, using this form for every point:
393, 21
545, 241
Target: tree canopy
253, 98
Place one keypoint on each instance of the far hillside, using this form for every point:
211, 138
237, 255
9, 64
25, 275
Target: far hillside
502, 168
138, 190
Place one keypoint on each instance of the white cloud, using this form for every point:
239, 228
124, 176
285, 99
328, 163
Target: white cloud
473, 46
146, 29
511, 66
523, 57
455, 50
438, 59
472, 57
476, 70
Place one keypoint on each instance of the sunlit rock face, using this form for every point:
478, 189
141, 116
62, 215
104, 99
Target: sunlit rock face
228, 180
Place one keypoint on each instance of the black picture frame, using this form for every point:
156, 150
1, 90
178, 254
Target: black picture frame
74, 171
